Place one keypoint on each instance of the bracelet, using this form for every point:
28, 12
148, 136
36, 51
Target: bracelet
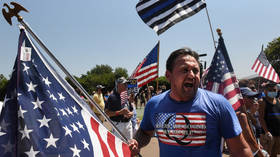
117, 113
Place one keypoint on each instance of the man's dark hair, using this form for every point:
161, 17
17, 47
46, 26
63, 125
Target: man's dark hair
183, 51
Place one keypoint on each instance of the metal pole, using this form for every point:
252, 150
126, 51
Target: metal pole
157, 64
77, 84
211, 28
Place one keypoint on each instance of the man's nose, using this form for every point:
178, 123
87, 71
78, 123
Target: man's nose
191, 74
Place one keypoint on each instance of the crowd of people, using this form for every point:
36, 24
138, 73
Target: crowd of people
190, 121
260, 117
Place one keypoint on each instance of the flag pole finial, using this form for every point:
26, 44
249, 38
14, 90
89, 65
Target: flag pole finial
219, 31
13, 12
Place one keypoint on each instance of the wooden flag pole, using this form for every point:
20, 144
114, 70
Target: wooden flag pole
14, 12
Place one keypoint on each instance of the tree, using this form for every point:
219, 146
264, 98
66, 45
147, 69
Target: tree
100, 69
100, 74
3, 86
119, 72
273, 55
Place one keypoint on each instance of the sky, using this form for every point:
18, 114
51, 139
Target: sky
83, 34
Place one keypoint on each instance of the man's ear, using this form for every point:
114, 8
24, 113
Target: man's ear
167, 75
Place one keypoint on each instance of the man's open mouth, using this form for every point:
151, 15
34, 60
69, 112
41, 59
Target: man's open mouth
188, 84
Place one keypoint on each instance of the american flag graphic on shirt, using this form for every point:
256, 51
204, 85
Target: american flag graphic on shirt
182, 129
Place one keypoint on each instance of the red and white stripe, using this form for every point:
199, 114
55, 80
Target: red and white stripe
146, 74
124, 97
228, 88
197, 127
267, 72
104, 143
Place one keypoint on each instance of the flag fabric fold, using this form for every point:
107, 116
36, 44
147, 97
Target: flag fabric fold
163, 14
220, 77
264, 69
43, 115
147, 70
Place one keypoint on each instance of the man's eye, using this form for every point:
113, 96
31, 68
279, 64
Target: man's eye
185, 70
195, 71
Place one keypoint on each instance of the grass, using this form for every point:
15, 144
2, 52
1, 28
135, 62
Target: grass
140, 113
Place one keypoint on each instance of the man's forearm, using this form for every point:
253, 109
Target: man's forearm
110, 113
142, 138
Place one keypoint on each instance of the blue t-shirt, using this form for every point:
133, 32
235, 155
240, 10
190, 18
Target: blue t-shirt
192, 128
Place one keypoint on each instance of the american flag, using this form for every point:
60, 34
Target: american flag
221, 78
182, 129
124, 97
43, 115
161, 15
264, 68
147, 70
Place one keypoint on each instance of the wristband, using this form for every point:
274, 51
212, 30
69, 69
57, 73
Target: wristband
117, 113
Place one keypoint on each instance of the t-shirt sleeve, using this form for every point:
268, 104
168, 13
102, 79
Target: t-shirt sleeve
146, 123
230, 126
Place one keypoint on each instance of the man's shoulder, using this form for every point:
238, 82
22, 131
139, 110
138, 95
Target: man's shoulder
112, 97
210, 94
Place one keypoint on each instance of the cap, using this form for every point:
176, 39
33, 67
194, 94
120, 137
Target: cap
121, 80
245, 91
99, 86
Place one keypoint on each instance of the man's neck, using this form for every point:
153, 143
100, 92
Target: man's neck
180, 98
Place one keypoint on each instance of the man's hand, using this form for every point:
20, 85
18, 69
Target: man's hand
128, 115
133, 145
268, 136
124, 111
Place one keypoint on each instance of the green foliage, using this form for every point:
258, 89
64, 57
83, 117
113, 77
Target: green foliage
3, 86
119, 72
100, 69
100, 74
273, 53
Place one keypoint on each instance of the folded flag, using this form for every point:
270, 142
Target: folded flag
163, 14
43, 115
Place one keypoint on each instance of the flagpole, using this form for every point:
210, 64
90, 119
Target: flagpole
77, 84
211, 29
158, 64
14, 12
219, 32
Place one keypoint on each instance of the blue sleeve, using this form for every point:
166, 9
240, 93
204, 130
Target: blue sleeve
230, 126
146, 123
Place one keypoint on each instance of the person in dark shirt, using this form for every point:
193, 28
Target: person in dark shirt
119, 110
270, 118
